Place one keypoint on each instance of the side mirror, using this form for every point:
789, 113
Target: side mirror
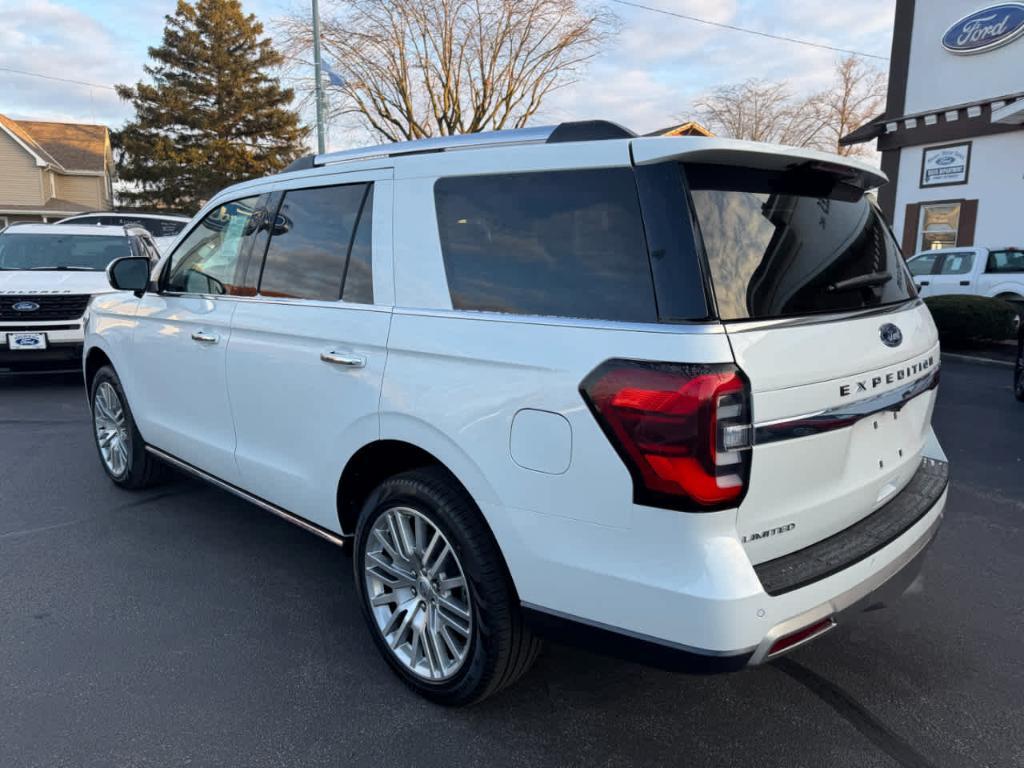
129, 273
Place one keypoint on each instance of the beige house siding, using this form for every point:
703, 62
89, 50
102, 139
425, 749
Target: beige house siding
84, 190
20, 178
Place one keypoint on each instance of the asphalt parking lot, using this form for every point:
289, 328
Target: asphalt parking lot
181, 626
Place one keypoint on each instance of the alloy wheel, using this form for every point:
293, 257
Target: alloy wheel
418, 593
112, 432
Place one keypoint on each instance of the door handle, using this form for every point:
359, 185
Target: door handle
924, 282
341, 358
205, 338
965, 282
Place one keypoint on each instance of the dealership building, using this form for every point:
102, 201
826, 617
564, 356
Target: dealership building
952, 135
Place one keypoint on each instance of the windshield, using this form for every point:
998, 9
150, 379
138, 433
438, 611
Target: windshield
781, 245
86, 252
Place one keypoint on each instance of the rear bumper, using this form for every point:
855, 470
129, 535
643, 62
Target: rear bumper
872, 562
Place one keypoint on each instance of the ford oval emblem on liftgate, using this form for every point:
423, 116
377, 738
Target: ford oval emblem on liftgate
25, 306
986, 29
891, 335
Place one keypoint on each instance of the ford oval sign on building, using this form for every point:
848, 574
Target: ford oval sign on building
986, 29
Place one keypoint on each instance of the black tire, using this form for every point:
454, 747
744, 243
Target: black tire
1018, 370
141, 469
501, 648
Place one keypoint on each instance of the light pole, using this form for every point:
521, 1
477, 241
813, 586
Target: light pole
319, 88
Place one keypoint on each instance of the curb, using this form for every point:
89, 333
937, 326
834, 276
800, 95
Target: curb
977, 359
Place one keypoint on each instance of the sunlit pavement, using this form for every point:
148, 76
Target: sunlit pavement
183, 626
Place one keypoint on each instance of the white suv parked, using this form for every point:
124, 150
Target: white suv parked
47, 276
671, 396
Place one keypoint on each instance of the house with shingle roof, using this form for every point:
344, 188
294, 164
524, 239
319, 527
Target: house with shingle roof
52, 170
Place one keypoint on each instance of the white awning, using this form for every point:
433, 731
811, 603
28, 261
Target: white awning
1011, 114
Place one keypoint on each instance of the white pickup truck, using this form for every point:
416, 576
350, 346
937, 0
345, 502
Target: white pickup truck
996, 272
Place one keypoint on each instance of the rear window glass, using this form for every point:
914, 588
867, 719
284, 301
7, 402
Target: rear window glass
559, 243
791, 244
1006, 261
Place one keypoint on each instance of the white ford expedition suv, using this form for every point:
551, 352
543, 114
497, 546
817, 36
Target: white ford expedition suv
669, 396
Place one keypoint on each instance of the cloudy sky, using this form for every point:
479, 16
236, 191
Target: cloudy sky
647, 76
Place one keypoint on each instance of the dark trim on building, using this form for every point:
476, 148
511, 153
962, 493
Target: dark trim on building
968, 221
944, 131
899, 57
887, 192
911, 221
965, 227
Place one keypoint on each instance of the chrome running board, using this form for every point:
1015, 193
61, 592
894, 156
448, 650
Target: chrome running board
284, 514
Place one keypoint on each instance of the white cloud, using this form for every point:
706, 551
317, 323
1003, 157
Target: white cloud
59, 41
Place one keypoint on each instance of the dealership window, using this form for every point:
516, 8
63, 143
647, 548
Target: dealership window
939, 226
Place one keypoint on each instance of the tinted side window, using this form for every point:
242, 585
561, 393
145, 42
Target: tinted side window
1005, 261
957, 264
563, 243
923, 264
310, 242
359, 273
209, 259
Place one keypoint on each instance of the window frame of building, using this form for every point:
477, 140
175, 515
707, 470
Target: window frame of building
922, 231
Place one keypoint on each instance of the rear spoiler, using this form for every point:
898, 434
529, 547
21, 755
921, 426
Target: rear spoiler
751, 154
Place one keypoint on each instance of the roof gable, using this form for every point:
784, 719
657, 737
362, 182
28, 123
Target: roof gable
29, 144
74, 146
65, 146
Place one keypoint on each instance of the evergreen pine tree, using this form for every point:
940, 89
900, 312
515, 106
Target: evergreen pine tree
214, 113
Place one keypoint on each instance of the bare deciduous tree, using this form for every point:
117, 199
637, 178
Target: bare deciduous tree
759, 110
857, 95
416, 68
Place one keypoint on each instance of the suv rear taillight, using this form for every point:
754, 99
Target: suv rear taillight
682, 430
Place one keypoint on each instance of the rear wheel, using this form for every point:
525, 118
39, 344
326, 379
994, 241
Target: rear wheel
122, 452
433, 587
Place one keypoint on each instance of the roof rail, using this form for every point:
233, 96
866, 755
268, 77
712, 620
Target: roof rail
584, 130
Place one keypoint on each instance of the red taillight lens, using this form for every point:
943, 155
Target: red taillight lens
682, 430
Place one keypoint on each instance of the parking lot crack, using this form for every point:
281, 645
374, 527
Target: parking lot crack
877, 732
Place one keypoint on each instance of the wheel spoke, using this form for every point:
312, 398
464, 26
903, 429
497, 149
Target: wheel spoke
447, 585
453, 608
379, 536
398, 577
436, 565
410, 614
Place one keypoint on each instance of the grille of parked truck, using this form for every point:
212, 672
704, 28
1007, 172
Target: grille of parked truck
668, 396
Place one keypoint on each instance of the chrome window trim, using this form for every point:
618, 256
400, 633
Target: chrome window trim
741, 326
845, 415
695, 328
336, 304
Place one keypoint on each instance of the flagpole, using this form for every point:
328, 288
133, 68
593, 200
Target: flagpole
319, 87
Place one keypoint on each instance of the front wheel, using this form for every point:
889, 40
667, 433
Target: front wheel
434, 590
122, 451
